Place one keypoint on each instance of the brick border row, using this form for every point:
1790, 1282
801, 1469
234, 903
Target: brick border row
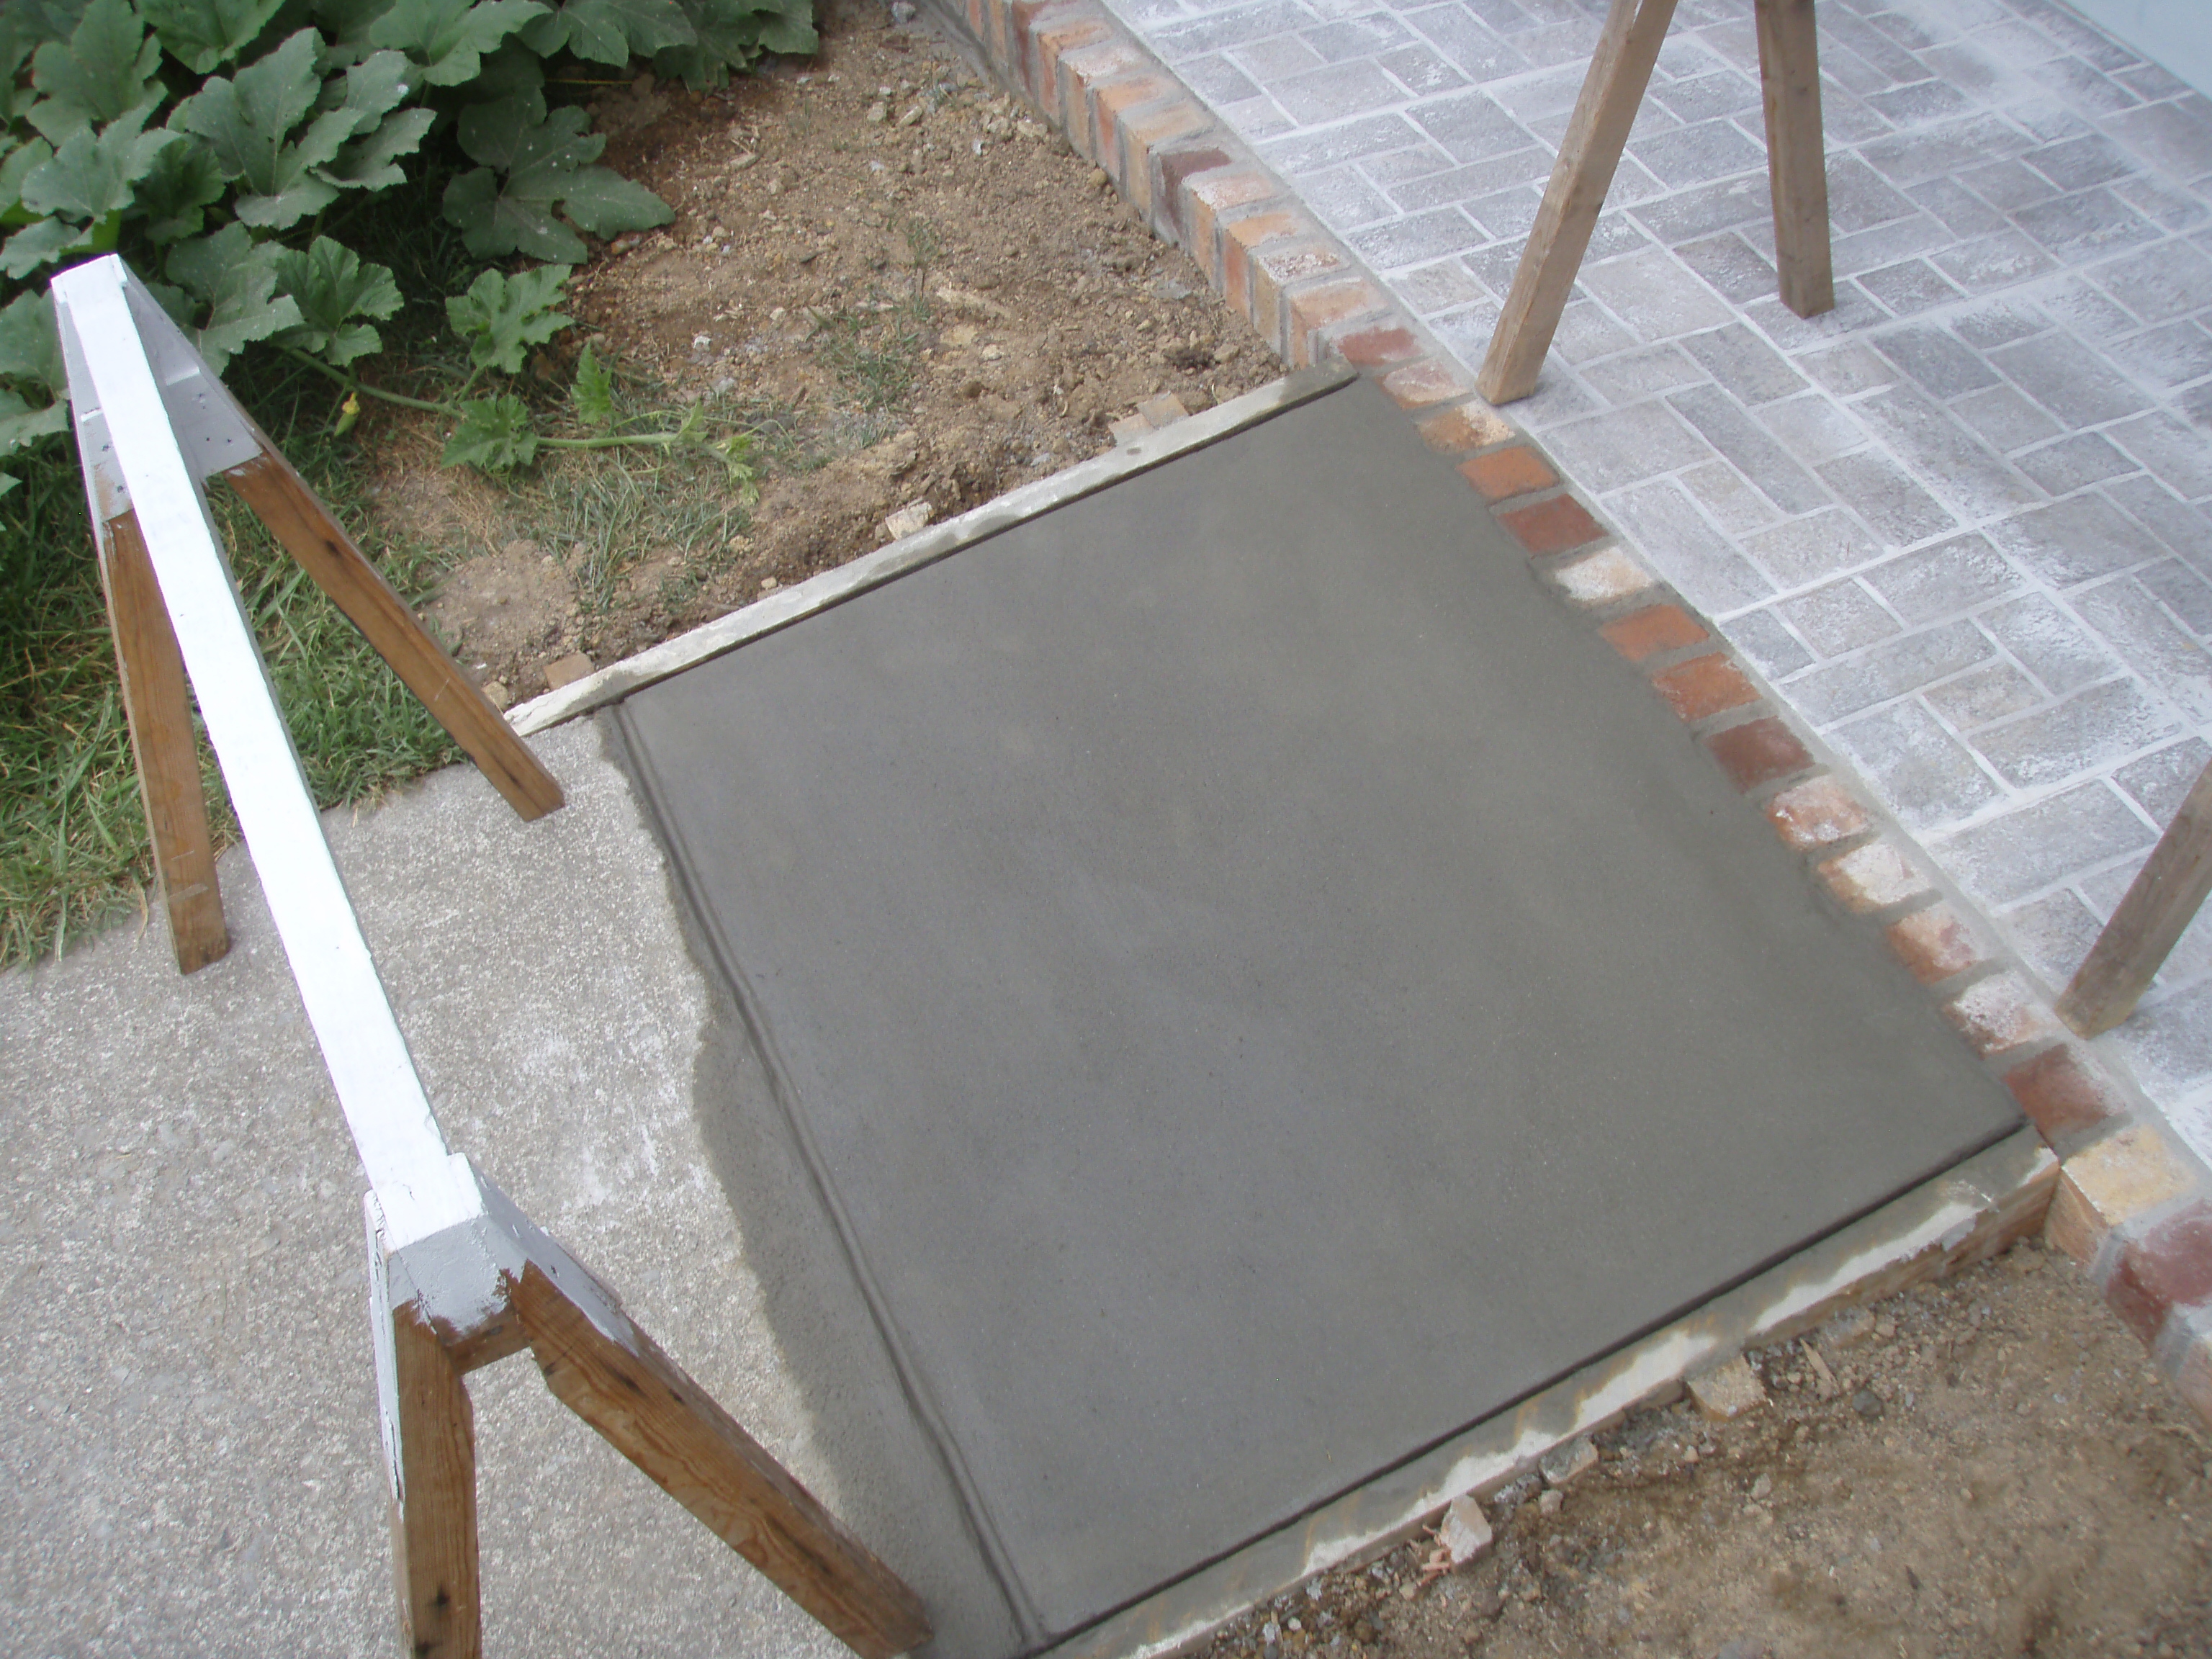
2132, 1206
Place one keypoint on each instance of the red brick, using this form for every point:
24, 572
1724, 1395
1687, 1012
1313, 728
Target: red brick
1176, 169
2062, 1093
1309, 310
1376, 345
1933, 944
1553, 526
1758, 752
1278, 267
1239, 237
1705, 686
1035, 18
1423, 382
976, 19
1471, 426
1817, 812
2169, 1267
1504, 473
1210, 195
997, 33
1080, 70
1647, 632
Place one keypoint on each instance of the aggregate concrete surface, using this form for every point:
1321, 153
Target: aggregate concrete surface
1254, 985
189, 1449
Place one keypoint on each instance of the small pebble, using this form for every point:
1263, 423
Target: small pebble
1867, 1403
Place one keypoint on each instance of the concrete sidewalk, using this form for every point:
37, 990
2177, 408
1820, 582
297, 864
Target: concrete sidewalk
1961, 521
192, 1456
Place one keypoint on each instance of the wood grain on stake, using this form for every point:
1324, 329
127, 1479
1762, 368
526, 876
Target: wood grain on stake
156, 705
283, 501
1796, 153
1612, 92
2160, 903
433, 1525
653, 1414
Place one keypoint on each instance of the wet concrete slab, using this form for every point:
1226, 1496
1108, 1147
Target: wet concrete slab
1226, 984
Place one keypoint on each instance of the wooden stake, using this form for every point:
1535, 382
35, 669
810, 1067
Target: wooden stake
1796, 155
434, 1526
158, 712
2164, 899
657, 1417
297, 519
1612, 92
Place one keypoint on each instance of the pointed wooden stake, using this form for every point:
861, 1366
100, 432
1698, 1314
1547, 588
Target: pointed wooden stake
2160, 904
1796, 153
159, 712
643, 1404
434, 1523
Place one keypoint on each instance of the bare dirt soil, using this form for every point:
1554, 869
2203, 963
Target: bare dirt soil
1988, 1467
914, 293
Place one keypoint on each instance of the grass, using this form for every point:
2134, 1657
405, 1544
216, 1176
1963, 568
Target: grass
73, 846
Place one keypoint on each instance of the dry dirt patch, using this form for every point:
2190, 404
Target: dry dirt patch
914, 293
1990, 1467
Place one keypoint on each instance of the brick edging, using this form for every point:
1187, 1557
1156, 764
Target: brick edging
2133, 1206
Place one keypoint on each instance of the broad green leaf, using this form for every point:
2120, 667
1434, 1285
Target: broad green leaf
16, 92
185, 180
43, 243
513, 72
372, 162
8, 482
378, 84
40, 20
544, 159
30, 346
592, 394
333, 287
346, 23
201, 33
732, 33
609, 31
89, 177
500, 317
247, 123
106, 69
448, 37
22, 162
234, 279
21, 423
494, 435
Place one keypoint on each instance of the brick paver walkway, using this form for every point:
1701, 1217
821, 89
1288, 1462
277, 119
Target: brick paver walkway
1959, 522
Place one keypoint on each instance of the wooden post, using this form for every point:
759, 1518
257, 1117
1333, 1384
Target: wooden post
434, 1524
1796, 155
296, 517
158, 712
1612, 92
657, 1417
2164, 899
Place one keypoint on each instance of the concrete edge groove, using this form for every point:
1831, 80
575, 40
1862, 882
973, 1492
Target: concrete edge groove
2102, 1175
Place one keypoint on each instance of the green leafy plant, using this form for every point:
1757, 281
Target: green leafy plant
535, 163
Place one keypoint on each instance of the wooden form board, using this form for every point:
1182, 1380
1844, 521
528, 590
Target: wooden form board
2158, 905
1590, 154
447, 1252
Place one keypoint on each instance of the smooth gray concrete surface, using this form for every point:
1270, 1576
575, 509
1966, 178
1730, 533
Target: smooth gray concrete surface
189, 1448
1257, 986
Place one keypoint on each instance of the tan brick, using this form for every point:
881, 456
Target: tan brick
1110, 99
1935, 943
1602, 579
1083, 69
1817, 812
1872, 878
1422, 383
2065, 1092
1210, 195
1323, 305
1239, 236
1054, 39
1470, 426
2109, 1184
1998, 1013
1277, 267
1144, 131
